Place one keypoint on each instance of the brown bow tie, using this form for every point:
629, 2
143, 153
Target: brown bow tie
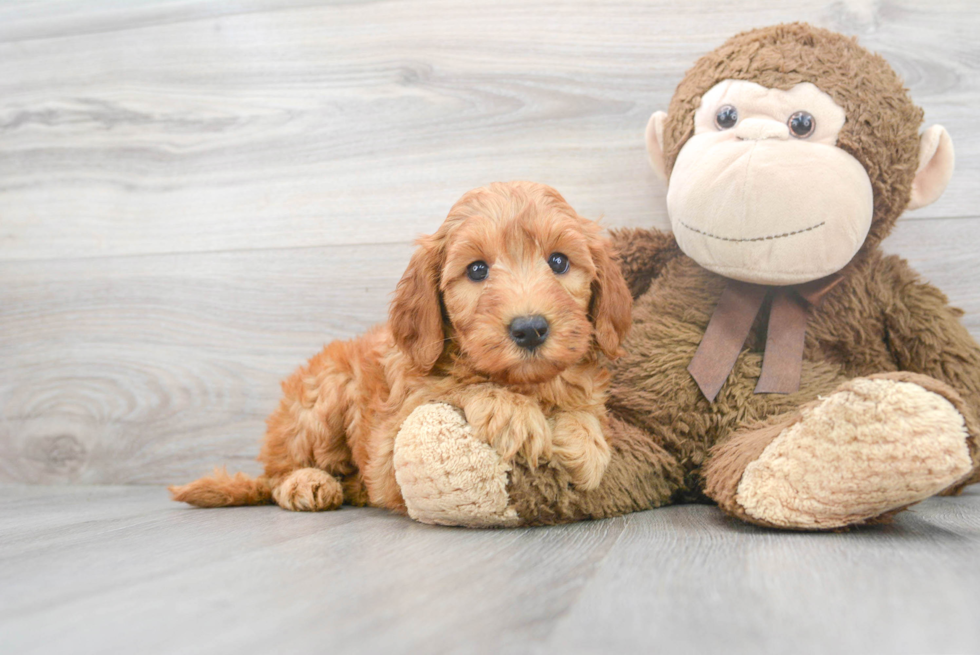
730, 325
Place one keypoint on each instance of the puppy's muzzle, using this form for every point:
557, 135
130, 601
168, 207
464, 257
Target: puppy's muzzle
529, 332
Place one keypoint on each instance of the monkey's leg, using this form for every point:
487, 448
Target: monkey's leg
448, 476
871, 448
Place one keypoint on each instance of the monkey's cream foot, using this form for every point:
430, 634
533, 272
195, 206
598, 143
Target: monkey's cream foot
874, 446
308, 490
447, 475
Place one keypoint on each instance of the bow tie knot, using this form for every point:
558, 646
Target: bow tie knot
732, 321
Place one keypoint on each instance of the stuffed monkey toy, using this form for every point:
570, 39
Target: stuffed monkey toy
779, 363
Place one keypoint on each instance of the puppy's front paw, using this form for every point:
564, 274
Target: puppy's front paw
512, 424
308, 490
581, 448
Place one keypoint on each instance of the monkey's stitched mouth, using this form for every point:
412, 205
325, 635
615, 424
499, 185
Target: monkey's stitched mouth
766, 238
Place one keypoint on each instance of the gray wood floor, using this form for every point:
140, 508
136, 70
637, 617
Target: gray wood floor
121, 569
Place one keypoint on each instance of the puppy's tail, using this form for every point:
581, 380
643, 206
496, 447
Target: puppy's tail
223, 490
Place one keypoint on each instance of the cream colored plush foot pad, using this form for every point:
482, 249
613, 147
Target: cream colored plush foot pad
446, 475
872, 447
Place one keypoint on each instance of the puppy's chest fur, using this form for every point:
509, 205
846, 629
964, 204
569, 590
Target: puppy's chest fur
384, 389
581, 387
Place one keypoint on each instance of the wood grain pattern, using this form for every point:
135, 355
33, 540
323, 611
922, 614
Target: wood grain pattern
97, 570
123, 368
195, 196
193, 126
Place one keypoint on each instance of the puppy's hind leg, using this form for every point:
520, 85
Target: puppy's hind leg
306, 442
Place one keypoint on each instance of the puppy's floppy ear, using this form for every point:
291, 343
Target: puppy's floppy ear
612, 304
415, 317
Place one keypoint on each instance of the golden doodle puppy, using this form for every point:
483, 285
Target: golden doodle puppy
504, 312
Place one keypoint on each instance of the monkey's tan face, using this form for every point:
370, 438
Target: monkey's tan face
761, 192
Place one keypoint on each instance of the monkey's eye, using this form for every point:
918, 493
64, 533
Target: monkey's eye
801, 124
726, 117
477, 271
558, 262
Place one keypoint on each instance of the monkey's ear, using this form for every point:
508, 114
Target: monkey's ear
655, 144
415, 316
936, 161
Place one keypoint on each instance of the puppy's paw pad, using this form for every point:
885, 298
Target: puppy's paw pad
587, 472
586, 463
512, 424
581, 448
529, 435
309, 490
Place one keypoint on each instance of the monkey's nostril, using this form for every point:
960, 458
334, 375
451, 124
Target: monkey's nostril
529, 332
760, 129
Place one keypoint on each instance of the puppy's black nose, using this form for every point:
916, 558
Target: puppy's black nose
529, 331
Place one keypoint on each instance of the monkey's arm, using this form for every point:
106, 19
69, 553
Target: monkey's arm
925, 335
642, 255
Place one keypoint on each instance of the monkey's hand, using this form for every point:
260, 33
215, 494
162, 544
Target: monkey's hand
513, 424
579, 446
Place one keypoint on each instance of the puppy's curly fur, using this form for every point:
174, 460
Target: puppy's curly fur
448, 339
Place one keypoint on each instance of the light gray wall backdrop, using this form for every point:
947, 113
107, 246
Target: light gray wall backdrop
196, 195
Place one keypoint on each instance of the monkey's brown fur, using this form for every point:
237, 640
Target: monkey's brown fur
880, 320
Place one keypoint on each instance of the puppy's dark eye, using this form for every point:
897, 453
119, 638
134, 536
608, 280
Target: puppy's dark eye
802, 124
726, 117
558, 262
477, 271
